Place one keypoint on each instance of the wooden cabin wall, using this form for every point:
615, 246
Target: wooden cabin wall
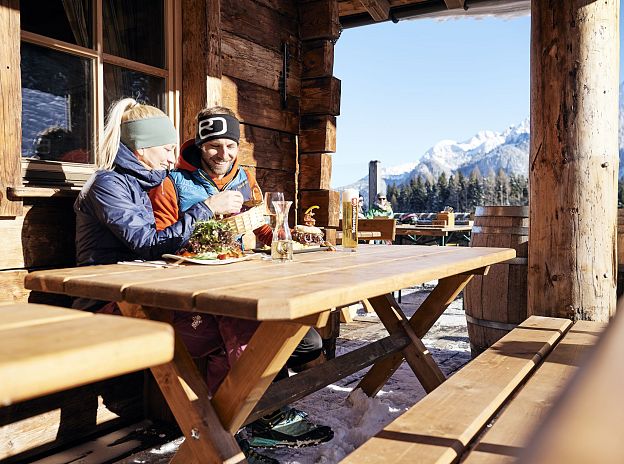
241, 67
234, 54
320, 104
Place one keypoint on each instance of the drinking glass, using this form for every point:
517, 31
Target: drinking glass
269, 212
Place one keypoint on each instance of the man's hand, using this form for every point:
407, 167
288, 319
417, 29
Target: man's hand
228, 202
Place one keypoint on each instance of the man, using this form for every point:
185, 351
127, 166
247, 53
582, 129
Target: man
208, 172
381, 208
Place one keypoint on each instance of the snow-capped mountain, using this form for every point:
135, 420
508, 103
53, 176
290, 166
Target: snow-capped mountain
486, 150
511, 155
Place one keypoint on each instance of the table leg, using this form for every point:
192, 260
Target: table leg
423, 319
416, 354
267, 352
189, 399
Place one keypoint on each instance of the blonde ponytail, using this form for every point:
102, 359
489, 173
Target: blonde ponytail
127, 109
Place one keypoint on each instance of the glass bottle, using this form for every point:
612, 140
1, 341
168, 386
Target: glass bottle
350, 198
282, 245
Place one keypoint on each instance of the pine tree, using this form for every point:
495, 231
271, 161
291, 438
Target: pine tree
453, 194
420, 196
443, 192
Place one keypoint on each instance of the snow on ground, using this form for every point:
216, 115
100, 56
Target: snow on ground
352, 415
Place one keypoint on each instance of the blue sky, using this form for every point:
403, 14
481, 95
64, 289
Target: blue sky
409, 85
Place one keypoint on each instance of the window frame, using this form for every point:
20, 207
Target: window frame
172, 73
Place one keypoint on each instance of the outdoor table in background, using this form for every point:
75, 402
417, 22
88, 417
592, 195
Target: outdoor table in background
417, 234
287, 298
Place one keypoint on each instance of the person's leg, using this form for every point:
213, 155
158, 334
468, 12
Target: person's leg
310, 348
288, 426
200, 334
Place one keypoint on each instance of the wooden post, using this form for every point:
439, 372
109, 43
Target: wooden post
10, 106
201, 60
374, 182
574, 159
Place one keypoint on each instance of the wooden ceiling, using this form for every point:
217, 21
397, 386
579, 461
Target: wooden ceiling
361, 12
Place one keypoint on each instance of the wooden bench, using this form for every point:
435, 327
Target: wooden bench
45, 349
488, 411
382, 228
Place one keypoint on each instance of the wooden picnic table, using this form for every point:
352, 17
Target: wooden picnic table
416, 232
287, 298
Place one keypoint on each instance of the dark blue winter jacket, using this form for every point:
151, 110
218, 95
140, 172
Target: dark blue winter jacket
114, 218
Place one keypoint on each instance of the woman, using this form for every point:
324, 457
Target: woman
114, 218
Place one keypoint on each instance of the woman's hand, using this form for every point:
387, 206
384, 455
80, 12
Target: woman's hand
228, 202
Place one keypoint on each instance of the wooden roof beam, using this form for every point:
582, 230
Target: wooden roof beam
378, 9
453, 4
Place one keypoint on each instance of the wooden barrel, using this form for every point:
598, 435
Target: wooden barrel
497, 302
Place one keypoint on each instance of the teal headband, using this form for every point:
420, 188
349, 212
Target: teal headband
148, 132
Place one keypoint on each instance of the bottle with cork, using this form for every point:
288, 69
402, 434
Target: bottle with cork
350, 199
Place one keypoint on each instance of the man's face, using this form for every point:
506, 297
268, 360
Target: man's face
382, 200
218, 156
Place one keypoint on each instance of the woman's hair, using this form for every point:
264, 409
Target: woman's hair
121, 111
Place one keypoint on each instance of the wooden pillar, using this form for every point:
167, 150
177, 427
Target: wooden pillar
574, 158
319, 28
10, 107
201, 60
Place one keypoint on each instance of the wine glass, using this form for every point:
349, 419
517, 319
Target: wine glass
270, 214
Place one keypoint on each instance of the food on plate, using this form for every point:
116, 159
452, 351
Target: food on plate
213, 239
308, 235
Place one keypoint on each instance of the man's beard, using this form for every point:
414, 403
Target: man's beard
218, 170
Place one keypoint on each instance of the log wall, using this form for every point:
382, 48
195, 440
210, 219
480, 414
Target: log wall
574, 159
320, 104
257, 36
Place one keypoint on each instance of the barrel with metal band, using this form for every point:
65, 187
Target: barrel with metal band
497, 302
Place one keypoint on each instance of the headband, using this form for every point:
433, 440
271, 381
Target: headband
217, 126
148, 132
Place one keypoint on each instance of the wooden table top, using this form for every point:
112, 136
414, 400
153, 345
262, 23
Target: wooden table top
266, 290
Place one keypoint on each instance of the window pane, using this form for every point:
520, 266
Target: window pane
134, 29
122, 83
66, 20
57, 102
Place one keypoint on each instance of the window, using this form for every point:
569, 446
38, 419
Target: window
79, 56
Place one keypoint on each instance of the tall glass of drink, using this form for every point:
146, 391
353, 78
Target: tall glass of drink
350, 199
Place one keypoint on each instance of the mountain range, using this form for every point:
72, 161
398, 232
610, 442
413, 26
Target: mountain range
489, 151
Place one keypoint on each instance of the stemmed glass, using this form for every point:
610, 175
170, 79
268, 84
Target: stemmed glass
270, 215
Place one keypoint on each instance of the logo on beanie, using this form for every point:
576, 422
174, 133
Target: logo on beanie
207, 127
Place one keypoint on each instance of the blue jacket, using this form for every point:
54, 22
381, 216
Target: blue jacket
114, 217
193, 187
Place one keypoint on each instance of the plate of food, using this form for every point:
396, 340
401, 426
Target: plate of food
212, 243
305, 239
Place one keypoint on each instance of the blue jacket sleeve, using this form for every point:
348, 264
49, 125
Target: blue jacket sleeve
131, 219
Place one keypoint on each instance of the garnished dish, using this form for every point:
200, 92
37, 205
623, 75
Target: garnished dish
308, 235
211, 240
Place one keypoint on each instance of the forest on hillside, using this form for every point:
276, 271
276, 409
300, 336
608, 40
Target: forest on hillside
461, 193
